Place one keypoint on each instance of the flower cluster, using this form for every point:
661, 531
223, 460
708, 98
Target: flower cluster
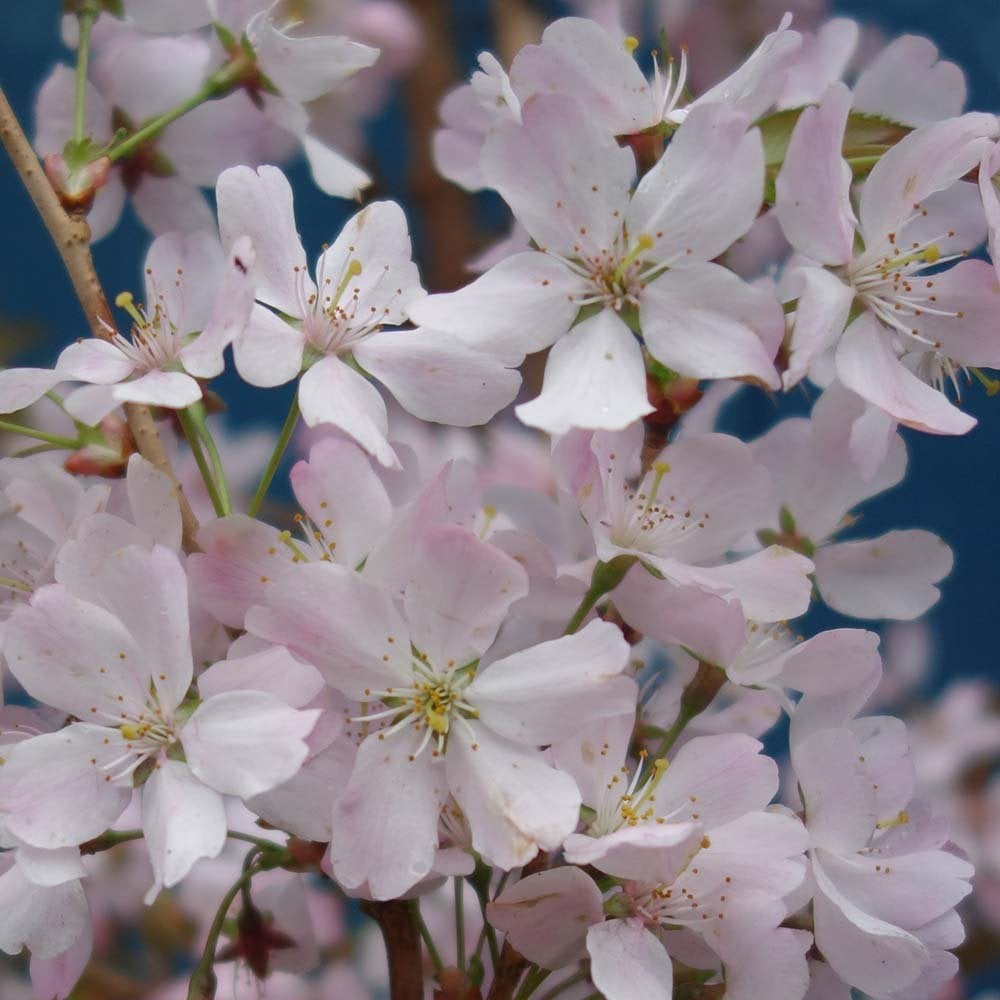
540, 661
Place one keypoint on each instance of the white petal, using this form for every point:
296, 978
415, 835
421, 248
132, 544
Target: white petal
705, 191
333, 173
386, 822
888, 577
48, 920
628, 963
813, 188
545, 916
515, 803
705, 322
268, 352
153, 499
595, 377
20, 387
438, 378
906, 82
521, 305
550, 691
182, 821
246, 742
94, 361
54, 791
331, 392
173, 390
332, 618
564, 177
258, 204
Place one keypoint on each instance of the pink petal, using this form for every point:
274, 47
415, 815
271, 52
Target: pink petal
308, 67
331, 392
54, 790
839, 800
595, 377
930, 159
94, 361
57, 646
868, 953
258, 204
152, 499
906, 82
459, 592
832, 661
174, 390
824, 304
377, 238
514, 802
705, 322
387, 818
170, 205
546, 916
48, 920
20, 387
182, 273
546, 693
578, 57
705, 191
867, 364
813, 189
521, 305
54, 978
182, 822
648, 852
329, 617
563, 176
246, 742
273, 671
629, 963
892, 576
438, 378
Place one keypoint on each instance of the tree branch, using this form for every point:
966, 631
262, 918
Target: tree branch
402, 946
71, 236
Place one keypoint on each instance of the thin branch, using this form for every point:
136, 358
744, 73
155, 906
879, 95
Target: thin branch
71, 236
402, 946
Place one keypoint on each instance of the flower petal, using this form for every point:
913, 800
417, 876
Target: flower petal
629, 963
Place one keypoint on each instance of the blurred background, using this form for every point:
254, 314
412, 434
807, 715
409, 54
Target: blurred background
953, 485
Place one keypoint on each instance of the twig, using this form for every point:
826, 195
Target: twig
402, 946
71, 236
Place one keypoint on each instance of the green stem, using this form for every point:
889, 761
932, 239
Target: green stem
532, 981
604, 579
261, 842
53, 439
577, 977
275, 460
202, 983
425, 935
460, 921
697, 695
223, 81
480, 881
86, 17
190, 427
198, 416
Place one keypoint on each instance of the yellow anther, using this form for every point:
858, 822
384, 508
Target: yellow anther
645, 241
438, 721
898, 820
631, 44
130, 731
932, 254
124, 300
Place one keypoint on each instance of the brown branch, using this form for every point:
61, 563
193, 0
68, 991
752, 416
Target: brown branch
508, 975
402, 946
71, 236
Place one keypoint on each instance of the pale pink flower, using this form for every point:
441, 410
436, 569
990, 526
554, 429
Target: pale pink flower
641, 257
119, 659
435, 726
364, 281
917, 331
